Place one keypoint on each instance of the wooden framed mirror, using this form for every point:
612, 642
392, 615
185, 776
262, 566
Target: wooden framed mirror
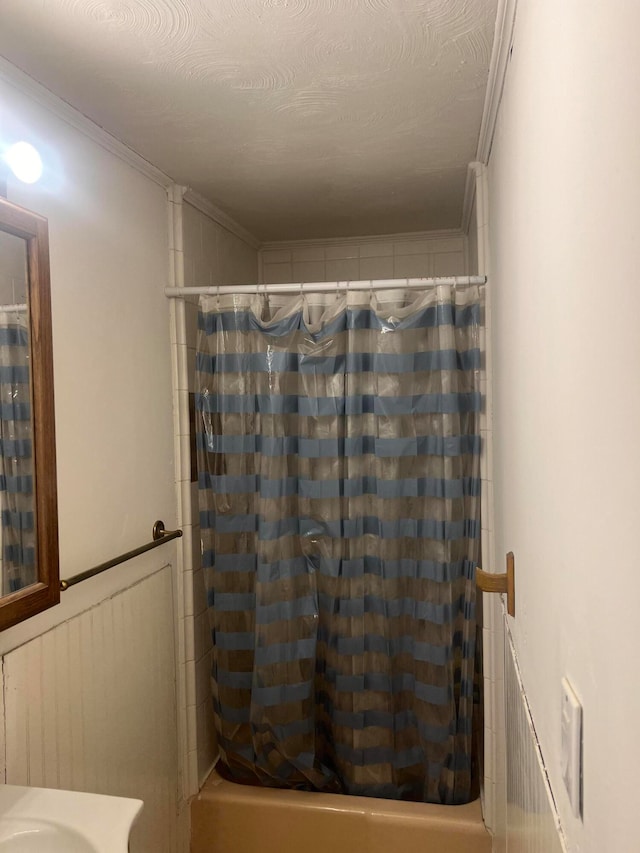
29, 564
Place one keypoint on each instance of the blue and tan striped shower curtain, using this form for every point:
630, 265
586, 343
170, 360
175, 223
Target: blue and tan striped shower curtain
339, 509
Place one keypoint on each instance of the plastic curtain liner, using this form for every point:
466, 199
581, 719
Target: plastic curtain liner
339, 483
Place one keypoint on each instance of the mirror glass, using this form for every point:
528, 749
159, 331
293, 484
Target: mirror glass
29, 574
17, 529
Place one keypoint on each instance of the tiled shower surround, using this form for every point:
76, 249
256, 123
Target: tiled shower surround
211, 255
205, 253
392, 256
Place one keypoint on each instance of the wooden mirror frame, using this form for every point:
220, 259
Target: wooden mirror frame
45, 592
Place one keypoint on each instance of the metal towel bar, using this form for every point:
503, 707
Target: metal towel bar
160, 536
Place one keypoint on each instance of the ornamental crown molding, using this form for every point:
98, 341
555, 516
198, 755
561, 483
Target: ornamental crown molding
500, 53
30, 87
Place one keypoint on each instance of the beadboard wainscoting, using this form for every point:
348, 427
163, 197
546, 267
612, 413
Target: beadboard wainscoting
532, 821
90, 706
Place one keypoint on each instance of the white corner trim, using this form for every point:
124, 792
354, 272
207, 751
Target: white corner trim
176, 193
502, 40
3, 725
350, 241
209, 209
469, 196
45, 98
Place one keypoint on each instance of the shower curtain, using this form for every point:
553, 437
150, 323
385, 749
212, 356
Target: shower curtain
18, 567
338, 447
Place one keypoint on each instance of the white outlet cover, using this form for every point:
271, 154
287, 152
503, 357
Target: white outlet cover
571, 746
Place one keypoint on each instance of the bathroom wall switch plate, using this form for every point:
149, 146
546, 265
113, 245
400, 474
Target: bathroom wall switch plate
571, 746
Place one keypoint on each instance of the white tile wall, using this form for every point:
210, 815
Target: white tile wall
532, 823
309, 270
395, 256
209, 254
274, 273
374, 268
406, 266
446, 263
69, 692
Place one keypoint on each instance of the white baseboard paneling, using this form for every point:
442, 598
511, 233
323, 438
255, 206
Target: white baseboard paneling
91, 706
532, 820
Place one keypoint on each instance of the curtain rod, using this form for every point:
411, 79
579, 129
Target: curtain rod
323, 286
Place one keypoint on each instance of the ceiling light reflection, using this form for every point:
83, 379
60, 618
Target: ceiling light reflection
24, 161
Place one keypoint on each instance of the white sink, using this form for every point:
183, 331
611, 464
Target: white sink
45, 820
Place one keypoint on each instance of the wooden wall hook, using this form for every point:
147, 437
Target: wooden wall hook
489, 582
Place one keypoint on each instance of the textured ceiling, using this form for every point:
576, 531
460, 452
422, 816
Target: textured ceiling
300, 118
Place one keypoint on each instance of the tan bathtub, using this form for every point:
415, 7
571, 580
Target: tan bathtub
230, 818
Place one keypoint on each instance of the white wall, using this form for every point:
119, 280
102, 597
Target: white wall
114, 434
390, 256
563, 188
